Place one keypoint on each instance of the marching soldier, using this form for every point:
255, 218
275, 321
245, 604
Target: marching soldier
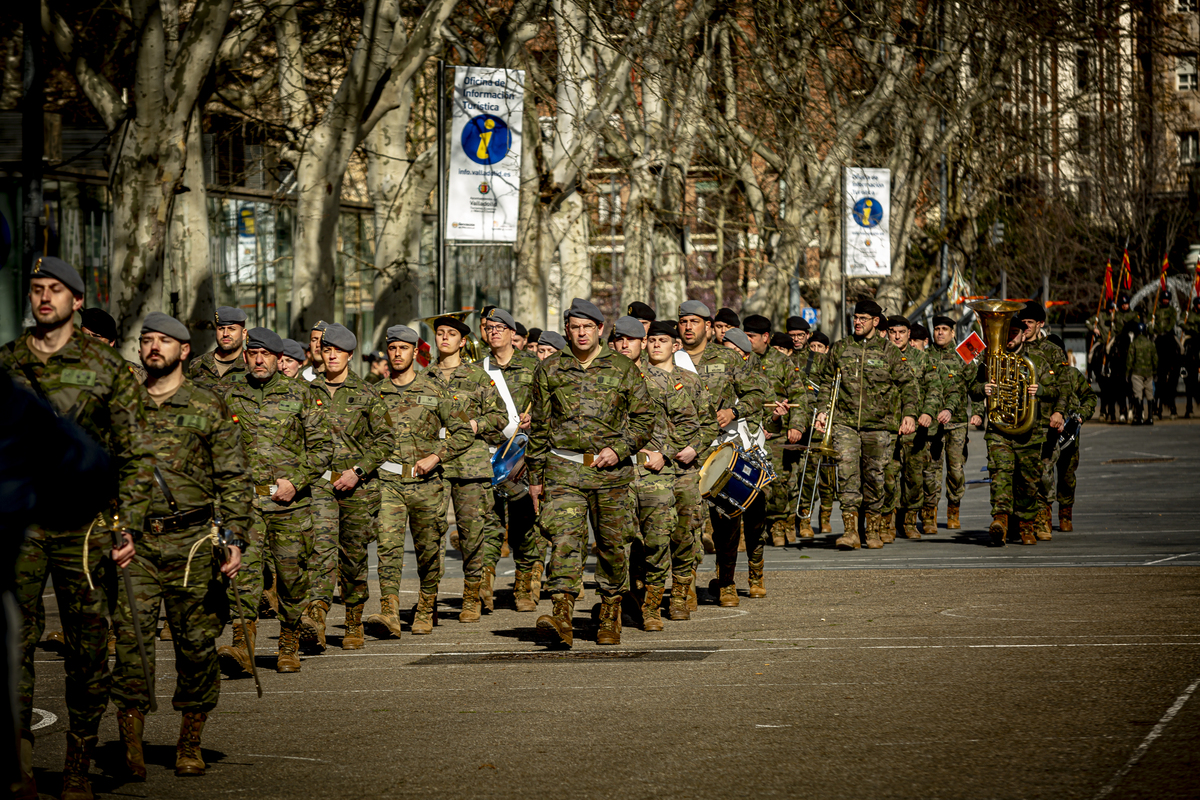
88, 383
1015, 462
873, 375
591, 415
550, 343
1162, 328
799, 330
1191, 355
346, 502
737, 393
99, 324
1141, 365
643, 313
804, 391
200, 478
950, 445
225, 362
782, 344
725, 319
314, 350
288, 448
414, 493
474, 399
291, 360
1081, 402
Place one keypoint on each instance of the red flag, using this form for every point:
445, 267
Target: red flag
1162, 278
1108, 282
1196, 285
423, 352
1126, 277
970, 348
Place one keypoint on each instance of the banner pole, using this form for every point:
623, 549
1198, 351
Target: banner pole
440, 238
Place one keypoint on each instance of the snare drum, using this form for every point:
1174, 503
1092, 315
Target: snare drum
509, 474
731, 481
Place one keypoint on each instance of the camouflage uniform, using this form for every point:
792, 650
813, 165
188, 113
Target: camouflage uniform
418, 411
904, 478
780, 373
344, 522
283, 438
949, 446
88, 383
873, 374
584, 410
1081, 401
687, 550
204, 373
197, 448
801, 391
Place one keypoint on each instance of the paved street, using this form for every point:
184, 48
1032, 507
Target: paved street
938, 668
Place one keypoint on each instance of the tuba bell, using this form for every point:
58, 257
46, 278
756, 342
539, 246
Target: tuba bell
1010, 409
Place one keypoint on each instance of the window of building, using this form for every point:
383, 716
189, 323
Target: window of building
1189, 147
609, 204
1083, 69
1084, 135
1185, 71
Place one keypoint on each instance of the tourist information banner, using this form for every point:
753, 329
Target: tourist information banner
866, 223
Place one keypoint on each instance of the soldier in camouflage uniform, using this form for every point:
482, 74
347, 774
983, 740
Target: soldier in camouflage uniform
1015, 462
291, 361
1162, 328
224, 363
346, 502
1060, 479
904, 478
87, 382
591, 415
819, 475
1191, 355
873, 374
738, 392
513, 369
1033, 317
200, 477
288, 448
476, 403
314, 349
419, 405
950, 445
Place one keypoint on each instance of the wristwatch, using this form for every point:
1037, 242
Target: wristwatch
359, 472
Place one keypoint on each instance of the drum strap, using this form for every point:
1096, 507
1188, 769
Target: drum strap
497, 375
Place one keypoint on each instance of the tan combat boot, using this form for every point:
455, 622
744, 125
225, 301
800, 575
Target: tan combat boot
727, 588
693, 600
952, 522
187, 751
849, 539
75, 783
522, 594
425, 615
1041, 524
242, 649
789, 530
998, 530
270, 599
610, 621
911, 517
1028, 531
288, 659
470, 601
558, 623
165, 634
535, 581
56, 638
779, 533
454, 540
1064, 519
312, 625
652, 609
887, 527
929, 519
487, 596
387, 622
706, 539
131, 722
757, 586
874, 523
827, 520
806, 531
680, 588
353, 639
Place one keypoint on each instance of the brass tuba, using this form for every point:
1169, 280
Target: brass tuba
1010, 408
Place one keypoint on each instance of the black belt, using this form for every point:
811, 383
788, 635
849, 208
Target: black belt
177, 522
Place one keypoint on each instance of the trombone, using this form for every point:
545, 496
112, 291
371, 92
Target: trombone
823, 450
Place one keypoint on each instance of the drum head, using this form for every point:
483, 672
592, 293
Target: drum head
715, 471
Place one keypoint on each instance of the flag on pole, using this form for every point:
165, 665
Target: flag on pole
1196, 285
1108, 282
1162, 278
1126, 278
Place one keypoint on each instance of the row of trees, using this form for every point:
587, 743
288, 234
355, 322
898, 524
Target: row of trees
973, 109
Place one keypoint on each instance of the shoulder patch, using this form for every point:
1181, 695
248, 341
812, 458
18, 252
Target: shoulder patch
192, 421
79, 377
291, 405
678, 386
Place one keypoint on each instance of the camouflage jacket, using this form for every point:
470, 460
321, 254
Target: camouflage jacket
282, 435
706, 419
197, 447
358, 422
956, 383
586, 410
677, 419
88, 383
1082, 398
781, 374
1142, 359
203, 370
419, 411
1165, 320
732, 382
1050, 395
518, 377
873, 374
473, 396
930, 389
1122, 318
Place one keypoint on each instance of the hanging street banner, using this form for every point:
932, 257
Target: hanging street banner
866, 223
483, 185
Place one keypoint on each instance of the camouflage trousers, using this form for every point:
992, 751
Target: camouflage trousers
566, 509
862, 458
687, 551
904, 477
524, 534
343, 525
477, 528
421, 506
752, 523
82, 610
281, 543
650, 545
1068, 462
196, 614
950, 445
826, 488
1016, 472
781, 493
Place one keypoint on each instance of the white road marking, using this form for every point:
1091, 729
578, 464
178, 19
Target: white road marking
46, 721
1172, 558
290, 758
772, 726
1149, 740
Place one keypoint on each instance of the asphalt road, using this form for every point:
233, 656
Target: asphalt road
938, 668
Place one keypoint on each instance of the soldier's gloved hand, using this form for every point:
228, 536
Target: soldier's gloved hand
285, 491
924, 420
123, 555
907, 426
605, 458
426, 465
944, 416
234, 563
